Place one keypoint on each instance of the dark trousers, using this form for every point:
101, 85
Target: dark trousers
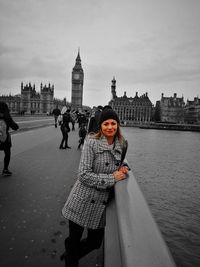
77, 248
7, 152
56, 120
81, 141
64, 138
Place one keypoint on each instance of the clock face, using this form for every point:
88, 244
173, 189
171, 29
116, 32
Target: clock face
76, 76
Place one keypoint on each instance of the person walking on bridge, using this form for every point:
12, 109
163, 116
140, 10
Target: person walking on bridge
56, 112
82, 134
100, 169
65, 129
6, 122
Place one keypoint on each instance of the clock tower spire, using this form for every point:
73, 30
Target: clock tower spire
77, 84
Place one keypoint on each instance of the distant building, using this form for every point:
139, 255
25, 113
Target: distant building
32, 102
170, 109
77, 85
43, 102
192, 111
131, 110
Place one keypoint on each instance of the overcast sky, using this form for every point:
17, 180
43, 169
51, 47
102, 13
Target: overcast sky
148, 45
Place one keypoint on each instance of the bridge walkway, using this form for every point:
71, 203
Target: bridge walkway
32, 229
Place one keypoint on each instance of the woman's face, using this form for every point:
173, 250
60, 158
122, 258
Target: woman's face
109, 128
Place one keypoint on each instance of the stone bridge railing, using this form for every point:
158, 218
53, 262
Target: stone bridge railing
132, 237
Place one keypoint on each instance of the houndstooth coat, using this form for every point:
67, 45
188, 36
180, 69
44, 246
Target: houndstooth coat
89, 196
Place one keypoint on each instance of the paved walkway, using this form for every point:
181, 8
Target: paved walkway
32, 229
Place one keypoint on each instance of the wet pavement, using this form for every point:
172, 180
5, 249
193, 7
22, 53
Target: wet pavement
32, 229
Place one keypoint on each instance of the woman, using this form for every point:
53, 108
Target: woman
65, 129
6, 145
99, 170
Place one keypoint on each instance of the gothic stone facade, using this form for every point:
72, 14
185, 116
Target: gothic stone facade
32, 102
131, 110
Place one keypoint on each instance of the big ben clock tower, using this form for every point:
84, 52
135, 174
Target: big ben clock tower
77, 84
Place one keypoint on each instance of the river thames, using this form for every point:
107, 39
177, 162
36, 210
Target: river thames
166, 166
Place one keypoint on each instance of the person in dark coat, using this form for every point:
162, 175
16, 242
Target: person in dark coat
82, 119
99, 169
65, 129
82, 134
93, 126
56, 112
6, 145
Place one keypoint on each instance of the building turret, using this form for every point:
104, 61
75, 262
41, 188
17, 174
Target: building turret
136, 95
113, 88
125, 96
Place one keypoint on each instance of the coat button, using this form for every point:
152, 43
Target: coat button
102, 182
117, 164
92, 201
107, 163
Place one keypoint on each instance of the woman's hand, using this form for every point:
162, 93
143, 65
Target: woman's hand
121, 174
124, 169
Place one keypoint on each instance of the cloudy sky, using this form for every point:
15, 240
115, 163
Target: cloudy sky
148, 45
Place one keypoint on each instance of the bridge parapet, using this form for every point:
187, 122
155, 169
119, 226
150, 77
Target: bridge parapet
132, 236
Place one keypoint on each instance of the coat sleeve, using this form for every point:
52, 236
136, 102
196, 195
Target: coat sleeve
10, 123
86, 174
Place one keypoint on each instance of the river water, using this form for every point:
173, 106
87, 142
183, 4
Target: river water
166, 165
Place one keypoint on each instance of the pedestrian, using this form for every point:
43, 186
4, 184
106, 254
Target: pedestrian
100, 169
65, 129
56, 112
82, 119
73, 120
93, 125
6, 122
82, 134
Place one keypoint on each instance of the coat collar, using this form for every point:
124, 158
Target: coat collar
103, 145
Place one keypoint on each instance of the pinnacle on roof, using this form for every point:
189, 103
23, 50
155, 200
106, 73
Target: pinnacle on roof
78, 56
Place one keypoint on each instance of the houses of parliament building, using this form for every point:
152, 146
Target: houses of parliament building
135, 110
32, 102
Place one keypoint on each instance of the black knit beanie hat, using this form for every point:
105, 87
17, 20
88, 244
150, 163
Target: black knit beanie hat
107, 114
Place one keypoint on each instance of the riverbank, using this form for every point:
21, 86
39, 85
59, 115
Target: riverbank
164, 126
168, 126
